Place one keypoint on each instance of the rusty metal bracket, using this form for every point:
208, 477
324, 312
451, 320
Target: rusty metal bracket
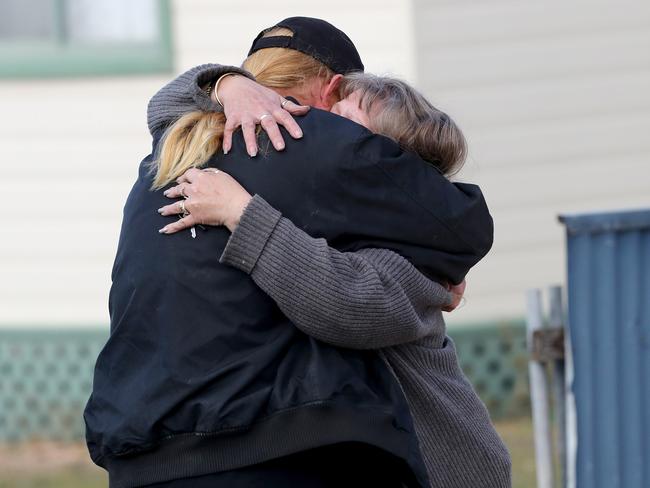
548, 344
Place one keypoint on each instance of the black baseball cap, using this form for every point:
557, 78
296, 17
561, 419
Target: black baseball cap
316, 38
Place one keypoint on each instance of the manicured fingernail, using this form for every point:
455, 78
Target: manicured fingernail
163, 230
160, 210
166, 192
280, 146
297, 134
253, 153
225, 151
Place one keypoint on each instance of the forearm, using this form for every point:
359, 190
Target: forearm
185, 94
367, 299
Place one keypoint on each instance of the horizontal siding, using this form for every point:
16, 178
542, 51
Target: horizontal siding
71, 149
541, 102
202, 26
538, 58
458, 22
554, 101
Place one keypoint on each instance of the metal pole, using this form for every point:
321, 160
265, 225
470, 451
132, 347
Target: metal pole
539, 395
571, 421
556, 319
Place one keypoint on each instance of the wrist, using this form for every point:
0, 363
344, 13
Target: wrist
238, 210
221, 85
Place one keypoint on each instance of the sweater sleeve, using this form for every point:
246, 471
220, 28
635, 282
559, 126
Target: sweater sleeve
368, 299
185, 94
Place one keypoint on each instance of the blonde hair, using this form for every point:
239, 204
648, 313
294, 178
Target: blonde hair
196, 136
405, 116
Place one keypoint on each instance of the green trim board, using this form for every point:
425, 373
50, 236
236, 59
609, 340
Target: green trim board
62, 59
46, 375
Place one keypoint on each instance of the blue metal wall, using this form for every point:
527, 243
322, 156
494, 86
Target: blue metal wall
609, 324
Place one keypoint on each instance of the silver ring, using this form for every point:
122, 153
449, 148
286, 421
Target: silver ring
284, 102
262, 117
183, 210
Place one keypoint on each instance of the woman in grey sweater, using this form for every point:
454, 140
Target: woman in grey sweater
369, 299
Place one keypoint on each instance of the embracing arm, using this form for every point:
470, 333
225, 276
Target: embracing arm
368, 299
185, 94
244, 103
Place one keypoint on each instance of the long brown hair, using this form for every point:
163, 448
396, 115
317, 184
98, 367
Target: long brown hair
196, 136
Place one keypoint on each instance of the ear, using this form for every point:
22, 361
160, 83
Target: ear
330, 91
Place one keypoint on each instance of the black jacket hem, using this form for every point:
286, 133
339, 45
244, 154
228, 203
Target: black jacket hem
289, 431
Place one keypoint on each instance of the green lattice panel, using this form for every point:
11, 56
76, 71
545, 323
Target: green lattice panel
45, 381
495, 360
46, 376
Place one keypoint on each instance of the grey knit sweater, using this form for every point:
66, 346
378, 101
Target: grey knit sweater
368, 299
375, 299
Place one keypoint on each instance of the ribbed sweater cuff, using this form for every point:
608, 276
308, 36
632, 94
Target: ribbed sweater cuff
247, 241
202, 99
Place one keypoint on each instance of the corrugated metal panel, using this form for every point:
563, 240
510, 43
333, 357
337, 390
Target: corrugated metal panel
609, 323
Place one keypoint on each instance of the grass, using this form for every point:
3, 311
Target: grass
65, 478
80, 473
518, 436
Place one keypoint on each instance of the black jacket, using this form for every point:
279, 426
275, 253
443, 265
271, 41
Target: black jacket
202, 372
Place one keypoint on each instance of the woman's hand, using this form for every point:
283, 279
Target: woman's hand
457, 291
248, 103
211, 197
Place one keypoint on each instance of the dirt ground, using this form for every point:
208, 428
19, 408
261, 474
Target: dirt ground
48, 465
52, 465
